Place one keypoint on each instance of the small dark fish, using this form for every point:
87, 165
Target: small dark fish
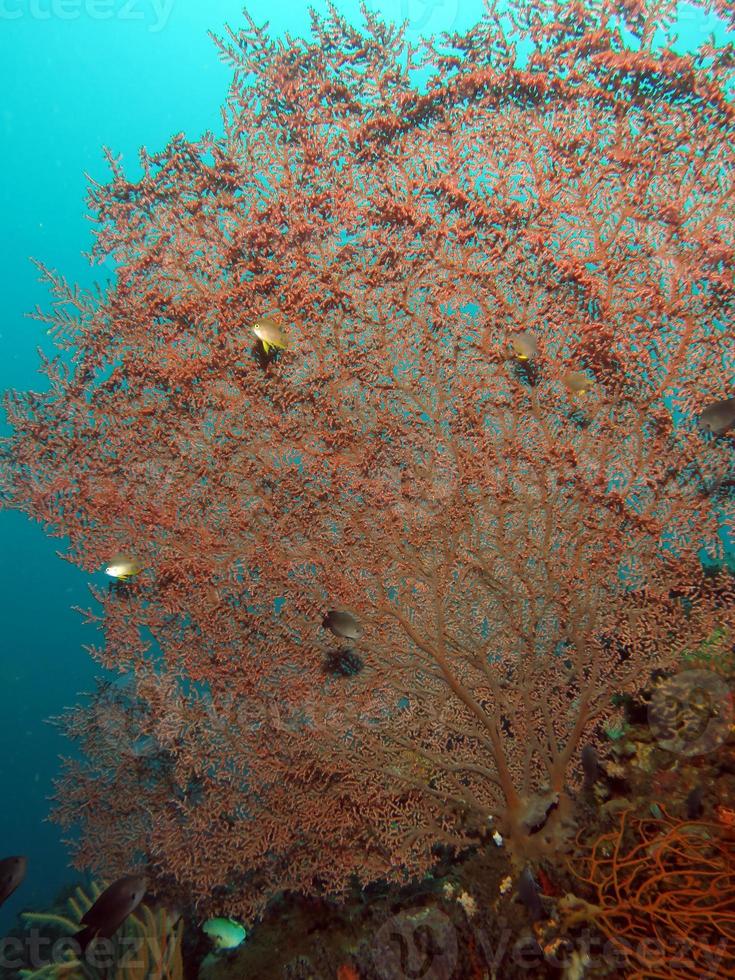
342, 624
718, 417
12, 873
529, 894
693, 803
590, 765
111, 909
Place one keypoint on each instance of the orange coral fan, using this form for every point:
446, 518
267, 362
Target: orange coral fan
515, 558
665, 896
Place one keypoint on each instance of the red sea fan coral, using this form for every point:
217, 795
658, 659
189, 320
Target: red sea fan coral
663, 895
520, 537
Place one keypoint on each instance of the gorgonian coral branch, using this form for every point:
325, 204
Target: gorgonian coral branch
509, 296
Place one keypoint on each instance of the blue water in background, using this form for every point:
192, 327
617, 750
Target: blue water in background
76, 75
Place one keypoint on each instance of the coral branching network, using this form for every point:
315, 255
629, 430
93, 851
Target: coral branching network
438, 340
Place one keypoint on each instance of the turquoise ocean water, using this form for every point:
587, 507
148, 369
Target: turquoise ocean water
77, 75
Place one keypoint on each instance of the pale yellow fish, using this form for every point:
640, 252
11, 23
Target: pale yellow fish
578, 382
123, 567
524, 345
271, 334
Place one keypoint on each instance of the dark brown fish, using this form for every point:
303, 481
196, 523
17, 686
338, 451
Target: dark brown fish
590, 766
12, 873
529, 894
718, 417
112, 908
693, 803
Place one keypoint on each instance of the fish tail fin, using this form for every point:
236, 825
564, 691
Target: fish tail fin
85, 937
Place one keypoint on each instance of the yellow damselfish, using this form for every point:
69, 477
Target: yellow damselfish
272, 334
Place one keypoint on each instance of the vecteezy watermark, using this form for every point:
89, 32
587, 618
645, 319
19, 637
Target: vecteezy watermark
424, 944
426, 16
421, 944
37, 951
422, 493
153, 13
691, 713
